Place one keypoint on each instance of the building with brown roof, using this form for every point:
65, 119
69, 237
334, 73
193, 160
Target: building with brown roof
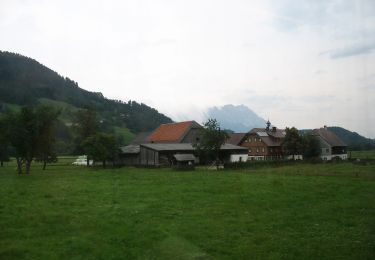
182, 132
160, 147
331, 145
262, 143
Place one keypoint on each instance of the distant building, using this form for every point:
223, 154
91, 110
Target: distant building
164, 154
262, 143
160, 147
331, 145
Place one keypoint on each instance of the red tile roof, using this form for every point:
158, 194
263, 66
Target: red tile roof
170, 132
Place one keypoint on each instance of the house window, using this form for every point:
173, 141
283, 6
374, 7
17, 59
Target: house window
249, 150
263, 149
327, 150
249, 139
271, 150
257, 150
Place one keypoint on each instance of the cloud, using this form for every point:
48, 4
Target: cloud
354, 50
319, 72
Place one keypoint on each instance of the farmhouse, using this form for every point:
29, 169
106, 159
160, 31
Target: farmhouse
262, 143
331, 145
160, 147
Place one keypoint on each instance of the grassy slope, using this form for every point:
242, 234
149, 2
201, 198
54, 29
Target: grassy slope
125, 133
67, 111
294, 212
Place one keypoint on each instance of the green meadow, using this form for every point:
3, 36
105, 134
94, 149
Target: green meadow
304, 211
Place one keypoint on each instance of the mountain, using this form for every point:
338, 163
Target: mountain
236, 118
354, 140
24, 81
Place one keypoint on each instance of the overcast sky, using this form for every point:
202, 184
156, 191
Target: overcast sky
298, 63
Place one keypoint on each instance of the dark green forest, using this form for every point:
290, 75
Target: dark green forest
26, 82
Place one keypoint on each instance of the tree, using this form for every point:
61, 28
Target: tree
4, 142
46, 150
101, 147
292, 143
212, 138
85, 125
26, 131
311, 146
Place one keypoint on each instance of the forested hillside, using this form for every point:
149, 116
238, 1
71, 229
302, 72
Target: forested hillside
24, 81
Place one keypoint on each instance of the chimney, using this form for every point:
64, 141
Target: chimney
325, 127
274, 129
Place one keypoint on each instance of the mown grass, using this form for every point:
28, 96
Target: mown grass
323, 211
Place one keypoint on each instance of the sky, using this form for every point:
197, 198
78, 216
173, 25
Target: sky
298, 63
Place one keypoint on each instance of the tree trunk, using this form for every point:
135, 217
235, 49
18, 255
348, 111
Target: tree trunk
28, 164
44, 165
103, 163
19, 165
87, 161
1, 163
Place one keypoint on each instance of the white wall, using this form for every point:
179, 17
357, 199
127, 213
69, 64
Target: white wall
296, 157
330, 157
236, 157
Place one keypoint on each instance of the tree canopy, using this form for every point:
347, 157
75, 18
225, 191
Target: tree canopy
31, 133
101, 147
292, 143
211, 139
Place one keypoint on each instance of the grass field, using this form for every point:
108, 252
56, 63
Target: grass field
363, 154
322, 211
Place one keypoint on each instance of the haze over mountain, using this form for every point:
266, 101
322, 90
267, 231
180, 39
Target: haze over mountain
238, 118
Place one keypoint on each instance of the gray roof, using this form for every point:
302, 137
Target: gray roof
271, 137
329, 137
184, 157
185, 147
132, 148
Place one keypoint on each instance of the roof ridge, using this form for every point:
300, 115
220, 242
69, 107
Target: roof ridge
174, 123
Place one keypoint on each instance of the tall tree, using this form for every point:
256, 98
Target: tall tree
311, 146
212, 138
4, 141
292, 143
85, 125
26, 130
46, 150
